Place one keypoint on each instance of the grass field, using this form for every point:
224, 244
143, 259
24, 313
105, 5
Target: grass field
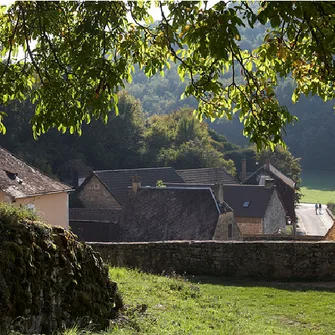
207, 305
318, 186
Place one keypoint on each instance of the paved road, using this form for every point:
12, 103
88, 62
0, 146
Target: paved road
310, 223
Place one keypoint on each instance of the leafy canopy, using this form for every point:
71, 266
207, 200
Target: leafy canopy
70, 58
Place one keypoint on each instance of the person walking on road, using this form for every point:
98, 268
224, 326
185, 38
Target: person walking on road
316, 209
320, 207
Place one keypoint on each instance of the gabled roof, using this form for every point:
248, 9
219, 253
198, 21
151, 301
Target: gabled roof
118, 181
94, 214
206, 176
248, 200
236, 195
19, 180
273, 172
162, 214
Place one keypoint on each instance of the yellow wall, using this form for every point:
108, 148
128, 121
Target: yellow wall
4, 197
52, 208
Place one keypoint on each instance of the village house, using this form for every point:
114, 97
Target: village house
110, 188
24, 185
176, 213
285, 185
258, 210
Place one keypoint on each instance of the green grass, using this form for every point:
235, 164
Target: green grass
207, 305
318, 186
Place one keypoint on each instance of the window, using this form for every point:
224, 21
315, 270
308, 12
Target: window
96, 186
230, 230
246, 204
30, 206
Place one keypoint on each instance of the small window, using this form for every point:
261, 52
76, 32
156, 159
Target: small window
96, 186
246, 204
230, 230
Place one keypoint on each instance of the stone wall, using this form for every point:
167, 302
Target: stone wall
94, 194
221, 231
275, 216
269, 260
49, 280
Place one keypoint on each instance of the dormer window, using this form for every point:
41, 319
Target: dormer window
11, 175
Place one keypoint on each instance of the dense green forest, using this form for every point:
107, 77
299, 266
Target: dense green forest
310, 138
129, 140
132, 140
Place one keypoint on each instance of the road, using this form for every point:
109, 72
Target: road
310, 223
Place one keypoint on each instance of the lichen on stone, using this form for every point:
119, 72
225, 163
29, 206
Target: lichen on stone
49, 280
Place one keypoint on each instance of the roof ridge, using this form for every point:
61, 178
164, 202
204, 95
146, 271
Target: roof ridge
174, 188
133, 169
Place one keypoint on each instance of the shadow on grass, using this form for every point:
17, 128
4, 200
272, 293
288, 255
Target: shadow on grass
294, 286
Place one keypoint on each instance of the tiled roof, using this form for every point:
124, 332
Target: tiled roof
118, 181
248, 200
206, 176
235, 195
20, 180
273, 172
281, 176
94, 214
161, 214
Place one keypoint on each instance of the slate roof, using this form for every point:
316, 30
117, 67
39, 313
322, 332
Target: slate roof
19, 180
118, 181
235, 195
94, 214
162, 214
257, 196
206, 176
274, 172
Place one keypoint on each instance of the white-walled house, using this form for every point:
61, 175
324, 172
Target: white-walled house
24, 185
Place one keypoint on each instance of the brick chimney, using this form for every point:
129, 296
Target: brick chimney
269, 183
218, 192
136, 183
244, 169
267, 164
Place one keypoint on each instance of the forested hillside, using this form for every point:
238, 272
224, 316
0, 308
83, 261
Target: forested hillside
310, 138
129, 140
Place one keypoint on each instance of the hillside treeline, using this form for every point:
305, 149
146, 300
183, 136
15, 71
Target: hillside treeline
310, 138
133, 140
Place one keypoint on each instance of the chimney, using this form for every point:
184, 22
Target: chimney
269, 183
244, 169
218, 192
136, 183
267, 164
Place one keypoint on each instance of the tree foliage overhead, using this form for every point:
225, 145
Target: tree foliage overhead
77, 54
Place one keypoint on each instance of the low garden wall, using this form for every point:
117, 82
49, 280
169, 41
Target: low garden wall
270, 260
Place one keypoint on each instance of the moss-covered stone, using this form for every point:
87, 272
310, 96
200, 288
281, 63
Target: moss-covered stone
49, 280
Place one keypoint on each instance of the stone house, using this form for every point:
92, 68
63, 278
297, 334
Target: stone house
258, 209
110, 188
206, 176
176, 213
285, 185
24, 185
